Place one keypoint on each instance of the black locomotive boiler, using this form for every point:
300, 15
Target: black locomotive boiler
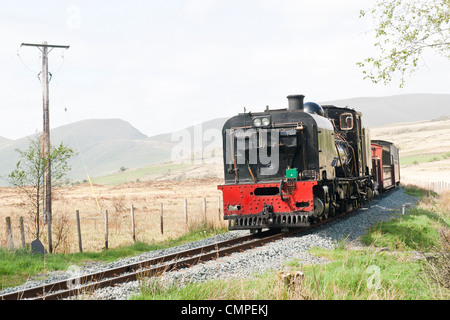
291, 167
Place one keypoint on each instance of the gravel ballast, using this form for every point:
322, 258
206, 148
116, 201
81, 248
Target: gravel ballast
272, 256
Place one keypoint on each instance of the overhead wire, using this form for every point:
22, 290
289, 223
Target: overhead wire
11, 80
24, 64
23, 88
7, 63
62, 64
75, 135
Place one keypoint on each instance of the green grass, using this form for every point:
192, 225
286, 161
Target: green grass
418, 192
350, 275
418, 230
248, 289
365, 274
422, 158
16, 266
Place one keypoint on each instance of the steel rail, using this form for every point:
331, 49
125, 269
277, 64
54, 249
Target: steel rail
158, 270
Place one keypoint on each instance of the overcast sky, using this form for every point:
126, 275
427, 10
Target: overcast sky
166, 64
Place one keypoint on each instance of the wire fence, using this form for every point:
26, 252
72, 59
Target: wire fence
79, 231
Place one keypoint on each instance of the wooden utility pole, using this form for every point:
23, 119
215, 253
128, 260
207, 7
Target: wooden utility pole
46, 134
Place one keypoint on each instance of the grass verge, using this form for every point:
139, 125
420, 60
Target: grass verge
423, 158
350, 275
419, 230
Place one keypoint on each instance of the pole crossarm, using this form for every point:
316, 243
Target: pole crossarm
44, 45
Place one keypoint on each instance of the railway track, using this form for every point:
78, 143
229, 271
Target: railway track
88, 283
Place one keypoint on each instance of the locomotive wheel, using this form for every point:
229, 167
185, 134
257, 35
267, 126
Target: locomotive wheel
348, 206
318, 207
256, 231
369, 194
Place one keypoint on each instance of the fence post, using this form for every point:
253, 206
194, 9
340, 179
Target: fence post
133, 229
80, 245
10, 242
204, 208
218, 206
185, 211
162, 219
106, 230
22, 232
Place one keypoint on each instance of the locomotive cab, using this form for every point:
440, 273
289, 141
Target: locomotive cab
352, 138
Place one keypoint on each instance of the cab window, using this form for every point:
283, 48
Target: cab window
346, 121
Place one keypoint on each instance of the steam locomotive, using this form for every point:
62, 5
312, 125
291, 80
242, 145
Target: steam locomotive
289, 168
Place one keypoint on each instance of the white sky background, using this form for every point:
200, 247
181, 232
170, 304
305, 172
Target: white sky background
164, 65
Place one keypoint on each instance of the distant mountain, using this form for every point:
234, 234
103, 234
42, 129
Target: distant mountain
203, 128
4, 140
106, 145
378, 111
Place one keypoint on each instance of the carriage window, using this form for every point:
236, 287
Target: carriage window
346, 121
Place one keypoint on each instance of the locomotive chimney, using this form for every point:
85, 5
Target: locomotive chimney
295, 102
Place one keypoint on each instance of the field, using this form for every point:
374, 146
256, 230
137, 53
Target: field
206, 168
424, 150
146, 198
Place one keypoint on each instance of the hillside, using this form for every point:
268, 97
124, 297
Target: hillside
424, 149
106, 145
379, 111
103, 146
424, 157
4, 141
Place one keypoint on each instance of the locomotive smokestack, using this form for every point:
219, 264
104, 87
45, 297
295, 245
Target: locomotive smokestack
295, 102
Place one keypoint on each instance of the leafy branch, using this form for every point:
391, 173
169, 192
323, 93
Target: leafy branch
404, 29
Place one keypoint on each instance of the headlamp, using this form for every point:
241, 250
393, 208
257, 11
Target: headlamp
257, 122
261, 122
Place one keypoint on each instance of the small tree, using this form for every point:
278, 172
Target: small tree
30, 169
404, 29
